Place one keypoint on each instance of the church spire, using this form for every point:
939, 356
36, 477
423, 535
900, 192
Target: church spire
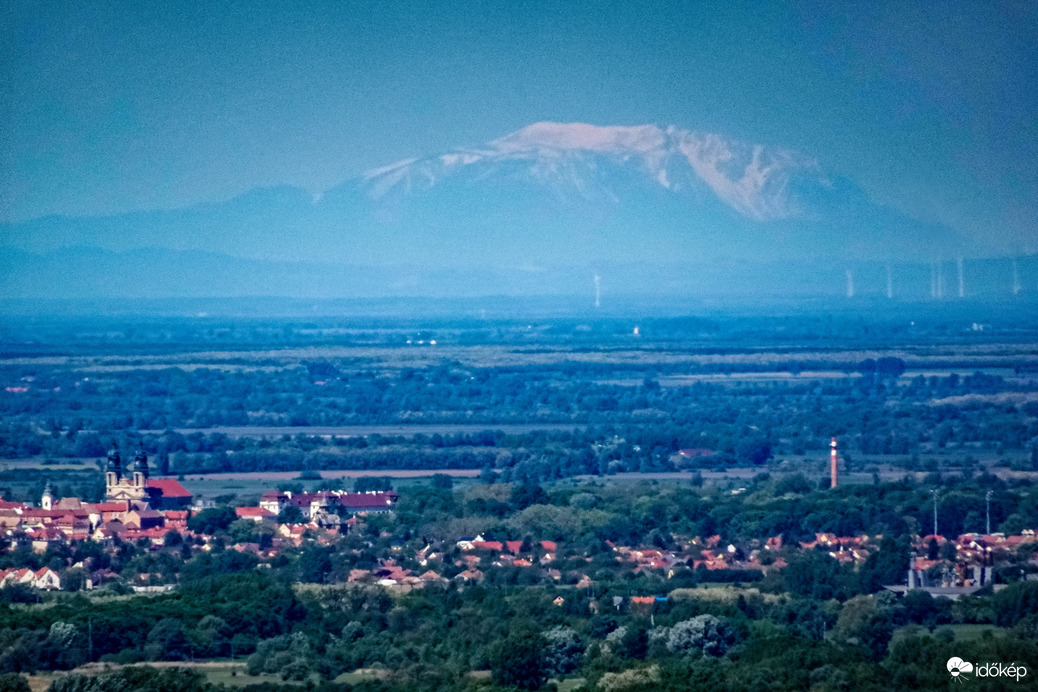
114, 470
115, 462
140, 468
47, 501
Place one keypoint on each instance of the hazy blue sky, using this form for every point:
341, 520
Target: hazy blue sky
113, 106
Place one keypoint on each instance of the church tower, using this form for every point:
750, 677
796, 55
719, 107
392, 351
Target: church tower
114, 472
47, 501
140, 469
131, 486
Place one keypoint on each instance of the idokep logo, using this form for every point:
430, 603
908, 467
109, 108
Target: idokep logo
960, 670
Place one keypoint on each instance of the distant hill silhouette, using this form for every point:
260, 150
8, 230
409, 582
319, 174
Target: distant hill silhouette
536, 211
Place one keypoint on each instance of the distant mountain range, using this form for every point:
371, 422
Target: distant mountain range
534, 211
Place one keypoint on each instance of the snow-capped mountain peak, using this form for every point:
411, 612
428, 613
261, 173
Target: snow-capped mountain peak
642, 139
751, 179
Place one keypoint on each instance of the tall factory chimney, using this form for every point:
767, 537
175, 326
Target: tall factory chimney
833, 479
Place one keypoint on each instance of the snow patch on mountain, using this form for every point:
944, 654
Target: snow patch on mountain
580, 136
757, 187
752, 179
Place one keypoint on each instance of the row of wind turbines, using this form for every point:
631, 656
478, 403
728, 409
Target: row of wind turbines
937, 282
970, 277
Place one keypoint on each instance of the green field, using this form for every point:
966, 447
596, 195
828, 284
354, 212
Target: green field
965, 633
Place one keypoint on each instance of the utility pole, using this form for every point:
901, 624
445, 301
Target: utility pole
987, 496
935, 492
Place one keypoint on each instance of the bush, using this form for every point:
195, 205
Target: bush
562, 651
211, 520
19, 593
1015, 602
136, 678
372, 483
12, 682
706, 633
288, 655
518, 661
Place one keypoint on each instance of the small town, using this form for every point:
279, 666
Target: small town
158, 516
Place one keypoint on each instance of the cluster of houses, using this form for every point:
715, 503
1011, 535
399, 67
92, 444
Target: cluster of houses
320, 507
320, 514
475, 552
971, 567
963, 565
139, 507
68, 519
43, 578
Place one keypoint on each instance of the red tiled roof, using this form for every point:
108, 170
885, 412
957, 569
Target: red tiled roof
253, 512
487, 545
169, 487
107, 506
53, 513
367, 499
922, 564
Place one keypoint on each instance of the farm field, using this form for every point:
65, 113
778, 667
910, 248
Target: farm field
403, 430
248, 487
231, 674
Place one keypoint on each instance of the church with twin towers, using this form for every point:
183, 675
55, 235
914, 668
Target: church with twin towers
133, 484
